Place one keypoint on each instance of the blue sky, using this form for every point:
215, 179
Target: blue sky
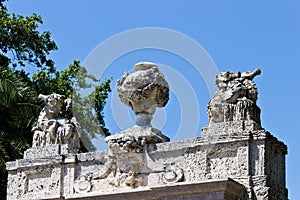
235, 35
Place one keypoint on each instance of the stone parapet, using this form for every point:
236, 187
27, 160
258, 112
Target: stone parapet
255, 160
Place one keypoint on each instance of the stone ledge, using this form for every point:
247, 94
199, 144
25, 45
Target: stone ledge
225, 189
230, 127
25, 163
53, 150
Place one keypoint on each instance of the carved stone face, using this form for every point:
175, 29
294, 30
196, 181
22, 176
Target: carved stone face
53, 103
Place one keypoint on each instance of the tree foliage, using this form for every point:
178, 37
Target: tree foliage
18, 109
21, 41
100, 95
22, 44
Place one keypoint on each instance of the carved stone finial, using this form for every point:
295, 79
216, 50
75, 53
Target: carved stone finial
143, 91
56, 124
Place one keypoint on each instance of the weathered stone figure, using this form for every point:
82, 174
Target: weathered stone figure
236, 98
56, 124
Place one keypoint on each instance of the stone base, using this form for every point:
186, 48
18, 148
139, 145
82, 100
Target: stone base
231, 127
243, 109
152, 135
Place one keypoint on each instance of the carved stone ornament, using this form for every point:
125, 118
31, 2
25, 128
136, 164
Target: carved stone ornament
233, 108
56, 123
82, 186
142, 91
236, 98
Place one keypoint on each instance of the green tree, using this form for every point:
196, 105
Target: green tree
18, 110
22, 44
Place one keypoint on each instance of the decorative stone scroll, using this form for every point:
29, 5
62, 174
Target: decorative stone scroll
56, 123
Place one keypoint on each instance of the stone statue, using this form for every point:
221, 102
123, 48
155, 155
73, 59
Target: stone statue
236, 98
56, 124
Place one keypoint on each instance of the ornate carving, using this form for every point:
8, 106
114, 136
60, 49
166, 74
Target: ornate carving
132, 179
56, 123
236, 98
172, 174
143, 91
82, 185
256, 161
124, 142
135, 159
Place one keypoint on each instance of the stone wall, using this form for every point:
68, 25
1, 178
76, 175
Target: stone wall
254, 159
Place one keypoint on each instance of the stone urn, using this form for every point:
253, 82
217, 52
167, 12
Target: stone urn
143, 91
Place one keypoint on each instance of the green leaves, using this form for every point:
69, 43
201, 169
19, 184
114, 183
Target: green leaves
18, 112
21, 41
49, 80
100, 96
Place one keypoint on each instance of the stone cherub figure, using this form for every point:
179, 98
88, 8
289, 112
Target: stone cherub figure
56, 123
235, 99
